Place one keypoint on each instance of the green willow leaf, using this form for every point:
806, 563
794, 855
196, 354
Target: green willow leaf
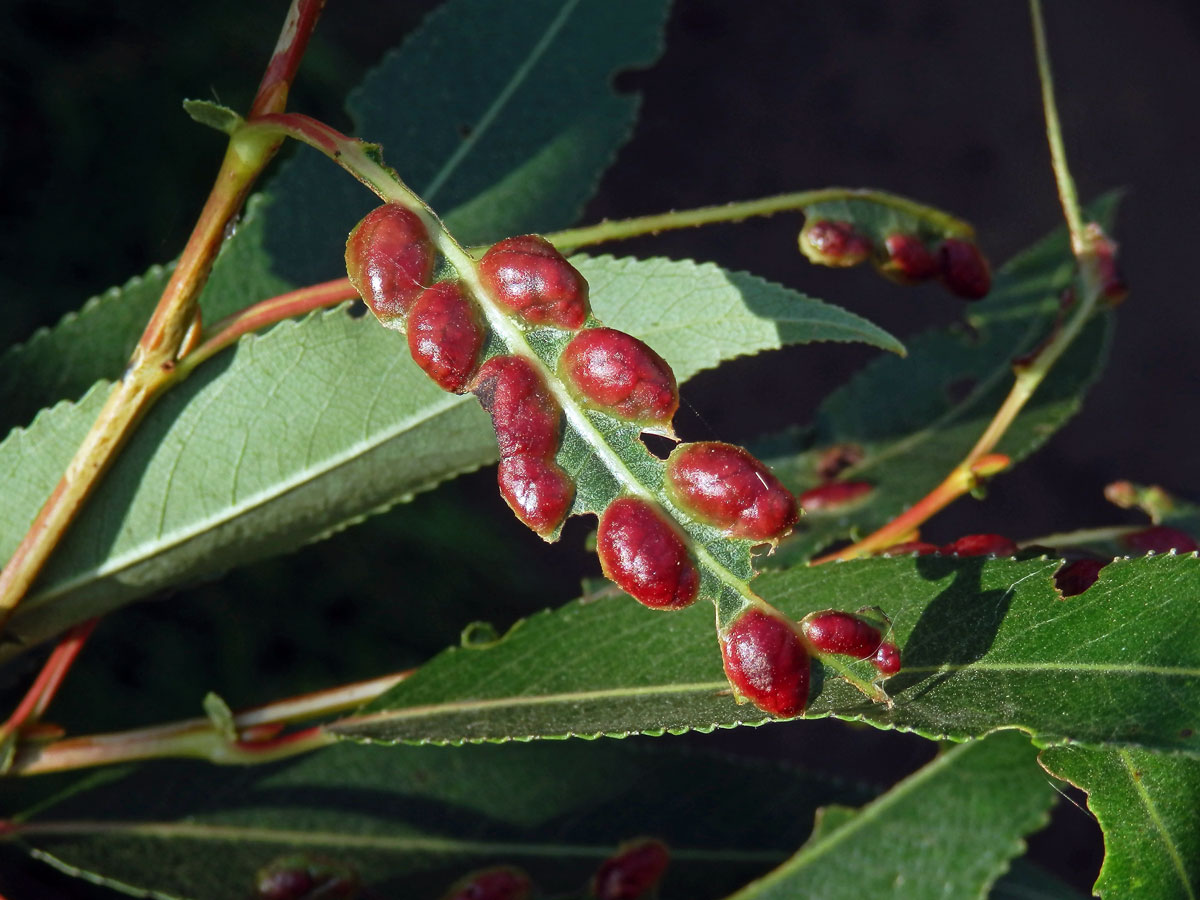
948, 830
987, 644
1146, 803
504, 128
411, 823
318, 423
538, 141
912, 420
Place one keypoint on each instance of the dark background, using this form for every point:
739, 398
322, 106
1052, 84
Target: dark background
101, 174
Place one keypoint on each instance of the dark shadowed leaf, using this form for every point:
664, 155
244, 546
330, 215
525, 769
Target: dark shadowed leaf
913, 419
413, 822
947, 831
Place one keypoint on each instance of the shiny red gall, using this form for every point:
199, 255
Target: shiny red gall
529, 276
642, 553
525, 416
445, 335
728, 487
389, 259
963, 268
537, 490
766, 661
615, 372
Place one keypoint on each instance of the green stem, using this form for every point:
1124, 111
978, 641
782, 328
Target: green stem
1081, 536
1030, 376
571, 239
1058, 151
150, 369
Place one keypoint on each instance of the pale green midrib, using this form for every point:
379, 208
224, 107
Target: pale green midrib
305, 475
1159, 824
572, 697
408, 844
417, 712
137, 555
502, 98
867, 814
1069, 667
514, 338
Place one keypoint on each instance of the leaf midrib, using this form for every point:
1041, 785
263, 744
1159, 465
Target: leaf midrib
305, 475
575, 697
1160, 826
501, 99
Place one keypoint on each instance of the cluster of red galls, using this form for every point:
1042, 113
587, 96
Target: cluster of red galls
1074, 577
391, 261
632, 873
907, 258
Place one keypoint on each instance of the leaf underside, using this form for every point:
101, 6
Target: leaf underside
987, 644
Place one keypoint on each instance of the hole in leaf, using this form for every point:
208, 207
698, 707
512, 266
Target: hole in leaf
1073, 578
658, 445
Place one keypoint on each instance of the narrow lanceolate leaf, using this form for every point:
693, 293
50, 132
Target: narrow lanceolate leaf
986, 644
412, 823
902, 424
505, 129
1146, 803
305, 429
521, 125
947, 831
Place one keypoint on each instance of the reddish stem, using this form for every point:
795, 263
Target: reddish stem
46, 685
259, 734
961, 480
267, 312
151, 367
289, 50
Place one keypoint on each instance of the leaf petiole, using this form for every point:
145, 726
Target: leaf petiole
258, 731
